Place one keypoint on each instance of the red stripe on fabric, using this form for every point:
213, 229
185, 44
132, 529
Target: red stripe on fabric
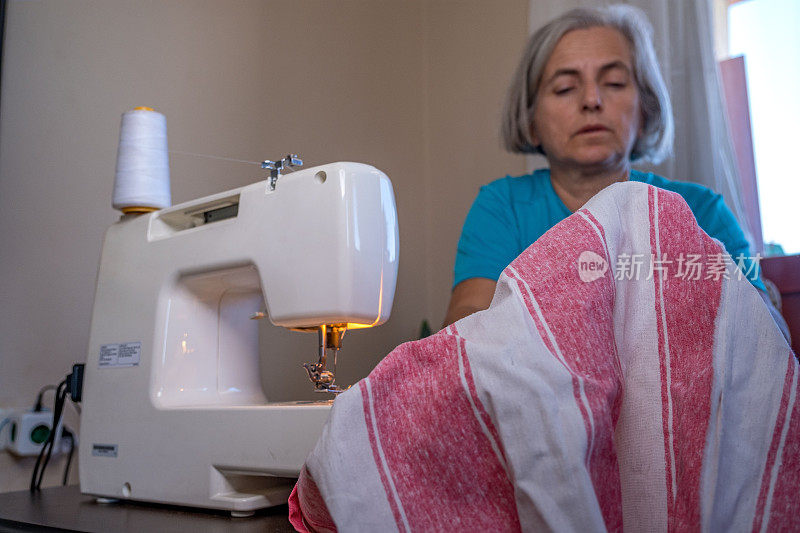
487, 420
691, 307
785, 502
576, 385
307, 507
602, 231
526, 298
579, 315
785, 509
545, 336
444, 468
596, 222
662, 354
376, 455
473, 392
295, 513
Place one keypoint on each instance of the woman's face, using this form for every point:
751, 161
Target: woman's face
587, 113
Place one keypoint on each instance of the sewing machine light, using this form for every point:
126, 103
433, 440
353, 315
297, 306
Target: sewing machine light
357, 325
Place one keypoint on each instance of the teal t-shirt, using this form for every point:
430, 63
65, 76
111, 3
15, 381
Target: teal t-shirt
509, 214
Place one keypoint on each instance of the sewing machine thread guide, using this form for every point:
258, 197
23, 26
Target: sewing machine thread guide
291, 161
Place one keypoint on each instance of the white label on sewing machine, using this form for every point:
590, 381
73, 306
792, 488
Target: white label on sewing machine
104, 450
122, 354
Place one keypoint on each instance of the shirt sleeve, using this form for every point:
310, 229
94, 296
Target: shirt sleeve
489, 239
718, 221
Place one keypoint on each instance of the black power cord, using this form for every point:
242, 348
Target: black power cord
72, 385
68, 435
47, 447
40, 397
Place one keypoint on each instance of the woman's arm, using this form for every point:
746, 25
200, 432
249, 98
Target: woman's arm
490, 240
469, 296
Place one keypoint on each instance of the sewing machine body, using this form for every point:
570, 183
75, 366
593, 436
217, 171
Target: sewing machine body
173, 408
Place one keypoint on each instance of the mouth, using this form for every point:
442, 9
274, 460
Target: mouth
591, 128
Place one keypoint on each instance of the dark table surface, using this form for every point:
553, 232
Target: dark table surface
65, 508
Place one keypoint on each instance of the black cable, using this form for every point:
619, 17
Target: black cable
58, 411
71, 437
47, 447
35, 478
72, 386
39, 397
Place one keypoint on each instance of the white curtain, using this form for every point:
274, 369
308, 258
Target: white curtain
683, 38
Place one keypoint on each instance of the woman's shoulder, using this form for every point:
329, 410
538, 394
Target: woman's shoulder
515, 189
696, 195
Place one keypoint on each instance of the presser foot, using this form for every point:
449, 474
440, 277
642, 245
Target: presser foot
330, 338
323, 380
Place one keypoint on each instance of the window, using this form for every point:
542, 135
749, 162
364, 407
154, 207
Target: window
766, 33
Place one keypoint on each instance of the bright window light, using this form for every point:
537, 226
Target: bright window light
766, 33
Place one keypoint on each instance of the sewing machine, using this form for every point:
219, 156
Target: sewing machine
173, 407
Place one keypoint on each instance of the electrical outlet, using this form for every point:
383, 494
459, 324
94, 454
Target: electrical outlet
65, 445
27, 431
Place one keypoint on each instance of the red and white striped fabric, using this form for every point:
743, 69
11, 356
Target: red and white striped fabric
577, 401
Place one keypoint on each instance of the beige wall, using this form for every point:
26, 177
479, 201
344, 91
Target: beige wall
472, 50
412, 87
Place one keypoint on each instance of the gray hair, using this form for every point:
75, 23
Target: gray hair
655, 141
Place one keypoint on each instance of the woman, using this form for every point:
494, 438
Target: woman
589, 96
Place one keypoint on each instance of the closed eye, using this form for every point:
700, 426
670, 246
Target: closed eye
563, 90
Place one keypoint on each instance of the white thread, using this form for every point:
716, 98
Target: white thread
142, 177
179, 152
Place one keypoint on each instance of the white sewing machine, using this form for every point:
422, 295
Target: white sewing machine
173, 407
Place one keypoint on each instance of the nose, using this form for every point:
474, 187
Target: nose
592, 100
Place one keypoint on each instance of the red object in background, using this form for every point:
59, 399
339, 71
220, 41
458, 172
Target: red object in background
734, 85
784, 271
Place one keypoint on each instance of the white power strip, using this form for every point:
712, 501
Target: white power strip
26, 432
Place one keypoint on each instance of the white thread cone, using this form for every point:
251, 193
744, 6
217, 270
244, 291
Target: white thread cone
142, 176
